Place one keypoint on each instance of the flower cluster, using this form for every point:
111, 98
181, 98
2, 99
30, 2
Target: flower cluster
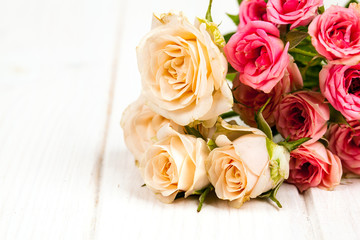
181, 144
307, 61
291, 67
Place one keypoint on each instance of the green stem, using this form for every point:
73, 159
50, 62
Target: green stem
302, 52
229, 115
272, 198
208, 13
203, 196
309, 64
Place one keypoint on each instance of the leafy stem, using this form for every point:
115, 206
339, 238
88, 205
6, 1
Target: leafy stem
309, 64
302, 52
271, 194
261, 122
208, 12
292, 145
229, 115
203, 196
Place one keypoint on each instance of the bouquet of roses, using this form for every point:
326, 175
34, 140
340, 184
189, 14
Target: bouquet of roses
291, 68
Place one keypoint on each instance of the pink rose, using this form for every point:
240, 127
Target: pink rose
312, 165
302, 114
252, 10
341, 86
258, 54
248, 100
294, 12
344, 141
336, 35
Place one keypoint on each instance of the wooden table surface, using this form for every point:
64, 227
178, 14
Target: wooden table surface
67, 71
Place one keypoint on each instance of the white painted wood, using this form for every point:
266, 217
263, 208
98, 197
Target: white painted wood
336, 213
55, 73
65, 172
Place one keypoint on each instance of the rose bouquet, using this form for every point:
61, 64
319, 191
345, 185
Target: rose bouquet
291, 68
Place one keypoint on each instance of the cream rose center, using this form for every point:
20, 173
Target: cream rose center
234, 177
165, 171
176, 70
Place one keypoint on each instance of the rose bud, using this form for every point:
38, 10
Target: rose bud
294, 12
245, 164
312, 165
336, 35
344, 140
175, 163
258, 54
251, 10
341, 86
140, 125
302, 114
183, 71
248, 100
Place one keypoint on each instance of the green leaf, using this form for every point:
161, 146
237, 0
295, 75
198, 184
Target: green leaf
310, 71
228, 36
336, 116
239, 1
261, 123
321, 10
295, 37
350, 2
309, 62
231, 76
234, 18
310, 84
203, 197
302, 52
193, 131
208, 13
292, 145
211, 144
271, 194
302, 28
310, 76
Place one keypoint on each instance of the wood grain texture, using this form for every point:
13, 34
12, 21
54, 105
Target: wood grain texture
67, 71
335, 214
56, 62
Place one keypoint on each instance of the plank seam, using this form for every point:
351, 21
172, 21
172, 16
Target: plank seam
312, 216
99, 163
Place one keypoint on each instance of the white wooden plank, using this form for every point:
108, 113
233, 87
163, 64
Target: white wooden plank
127, 211
336, 213
55, 73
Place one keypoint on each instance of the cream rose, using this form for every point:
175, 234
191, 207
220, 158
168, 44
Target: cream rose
176, 163
183, 71
246, 167
140, 125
